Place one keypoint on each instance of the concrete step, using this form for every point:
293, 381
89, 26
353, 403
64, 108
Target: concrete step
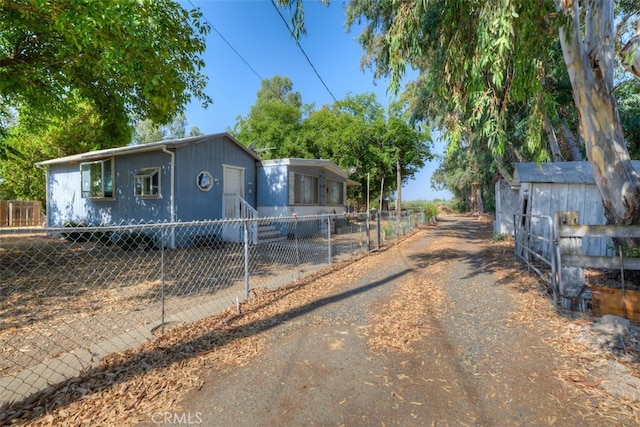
267, 233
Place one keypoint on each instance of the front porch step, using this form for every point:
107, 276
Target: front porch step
267, 233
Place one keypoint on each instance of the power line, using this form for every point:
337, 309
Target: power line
302, 50
262, 80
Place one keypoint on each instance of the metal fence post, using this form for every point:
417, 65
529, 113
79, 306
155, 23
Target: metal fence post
297, 244
329, 237
246, 260
162, 284
378, 224
368, 230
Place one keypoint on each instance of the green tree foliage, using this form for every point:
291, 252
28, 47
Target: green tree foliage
123, 57
629, 106
273, 121
355, 132
496, 68
465, 171
146, 131
75, 133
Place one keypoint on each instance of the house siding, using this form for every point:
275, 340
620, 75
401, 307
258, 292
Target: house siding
63, 181
64, 201
275, 191
193, 204
506, 207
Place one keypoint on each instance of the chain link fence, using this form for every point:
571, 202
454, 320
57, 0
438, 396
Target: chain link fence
70, 296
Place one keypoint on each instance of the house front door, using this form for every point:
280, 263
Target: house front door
233, 187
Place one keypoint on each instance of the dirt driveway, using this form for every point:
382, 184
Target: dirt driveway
442, 329
427, 334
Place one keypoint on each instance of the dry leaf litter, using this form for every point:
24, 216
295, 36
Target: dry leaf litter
130, 386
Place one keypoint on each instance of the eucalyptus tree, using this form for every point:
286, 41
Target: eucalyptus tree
486, 56
122, 57
146, 131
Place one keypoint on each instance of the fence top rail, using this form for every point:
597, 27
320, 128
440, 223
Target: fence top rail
631, 231
155, 225
533, 216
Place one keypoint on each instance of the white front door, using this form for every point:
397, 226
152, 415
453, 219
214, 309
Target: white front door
232, 184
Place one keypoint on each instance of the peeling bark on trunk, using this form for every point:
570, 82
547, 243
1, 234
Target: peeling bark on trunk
589, 59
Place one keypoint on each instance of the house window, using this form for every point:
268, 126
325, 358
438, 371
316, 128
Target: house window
97, 179
204, 181
335, 192
147, 182
305, 189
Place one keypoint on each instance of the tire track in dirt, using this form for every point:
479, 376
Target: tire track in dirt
480, 367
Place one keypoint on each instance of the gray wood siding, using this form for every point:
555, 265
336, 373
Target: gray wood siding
65, 202
546, 199
506, 206
193, 204
273, 186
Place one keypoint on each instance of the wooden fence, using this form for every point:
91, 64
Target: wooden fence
20, 213
571, 264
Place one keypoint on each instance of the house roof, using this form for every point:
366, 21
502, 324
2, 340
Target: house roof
153, 146
557, 172
326, 164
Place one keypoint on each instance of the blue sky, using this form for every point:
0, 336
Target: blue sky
257, 33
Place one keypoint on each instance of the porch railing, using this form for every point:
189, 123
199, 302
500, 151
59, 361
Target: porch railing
235, 207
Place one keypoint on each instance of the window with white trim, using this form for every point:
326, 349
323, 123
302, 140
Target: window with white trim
335, 192
305, 189
97, 179
146, 182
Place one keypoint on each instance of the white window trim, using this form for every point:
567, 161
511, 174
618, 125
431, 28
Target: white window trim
144, 174
102, 180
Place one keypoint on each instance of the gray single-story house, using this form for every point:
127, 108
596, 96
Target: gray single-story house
545, 188
167, 181
190, 179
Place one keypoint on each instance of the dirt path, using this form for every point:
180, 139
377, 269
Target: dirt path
381, 352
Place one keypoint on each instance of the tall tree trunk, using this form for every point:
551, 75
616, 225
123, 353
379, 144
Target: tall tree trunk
399, 201
479, 199
573, 142
556, 156
589, 62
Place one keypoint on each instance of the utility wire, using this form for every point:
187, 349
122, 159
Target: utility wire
238, 53
302, 50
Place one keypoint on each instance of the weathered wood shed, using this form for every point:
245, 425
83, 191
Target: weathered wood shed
545, 188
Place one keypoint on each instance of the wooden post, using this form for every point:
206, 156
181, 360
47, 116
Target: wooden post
571, 283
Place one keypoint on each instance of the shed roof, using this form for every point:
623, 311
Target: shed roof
557, 172
153, 146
